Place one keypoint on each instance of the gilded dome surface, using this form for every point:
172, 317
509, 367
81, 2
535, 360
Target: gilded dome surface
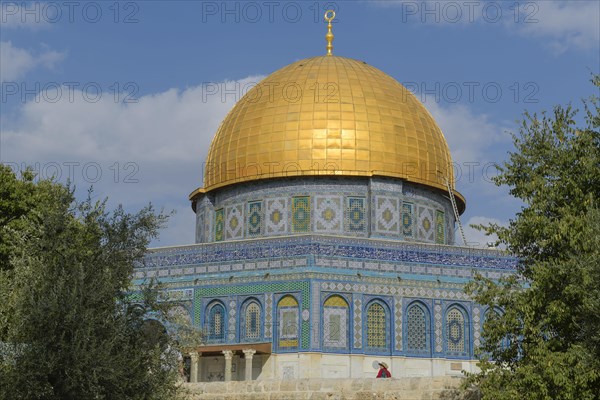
329, 115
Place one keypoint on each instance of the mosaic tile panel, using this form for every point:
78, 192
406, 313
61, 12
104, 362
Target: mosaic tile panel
301, 214
328, 214
276, 216
376, 326
357, 299
315, 312
356, 215
268, 315
440, 227
232, 322
381, 251
425, 224
255, 219
219, 225
387, 216
335, 323
455, 334
407, 220
288, 318
234, 225
416, 328
398, 321
437, 310
476, 326
270, 287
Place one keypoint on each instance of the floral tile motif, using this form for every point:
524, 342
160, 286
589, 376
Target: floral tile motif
234, 222
328, 214
387, 216
219, 225
277, 216
440, 236
255, 218
301, 214
355, 215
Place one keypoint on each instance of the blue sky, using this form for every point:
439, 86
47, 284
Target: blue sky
115, 95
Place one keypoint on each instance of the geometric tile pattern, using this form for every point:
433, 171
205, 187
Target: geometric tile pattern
438, 327
407, 220
234, 222
328, 214
357, 321
387, 216
376, 326
301, 214
335, 327
455, 335
276, 220
440, 237
416, 328
232, 319
268, 314
255, 219
288, 321
355, 215
476, 326
425, 223
252, 321
219, 225
398, 321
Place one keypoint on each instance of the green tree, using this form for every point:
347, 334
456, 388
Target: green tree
545, 344
69, 327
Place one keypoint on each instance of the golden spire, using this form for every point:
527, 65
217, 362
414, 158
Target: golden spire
329, 16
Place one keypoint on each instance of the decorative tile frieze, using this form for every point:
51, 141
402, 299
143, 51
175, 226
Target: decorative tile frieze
328, 214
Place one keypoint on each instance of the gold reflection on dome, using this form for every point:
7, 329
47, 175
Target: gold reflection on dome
329, 115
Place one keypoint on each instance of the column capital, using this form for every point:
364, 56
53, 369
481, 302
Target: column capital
227, 353
249, 352
194, 355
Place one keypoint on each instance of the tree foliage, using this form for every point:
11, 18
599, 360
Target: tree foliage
545, 343
69, 328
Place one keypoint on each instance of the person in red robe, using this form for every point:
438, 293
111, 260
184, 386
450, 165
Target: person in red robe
383, 371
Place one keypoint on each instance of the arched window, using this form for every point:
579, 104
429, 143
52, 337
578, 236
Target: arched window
335, 323
417, 323
251, 324
216, 322
377, 337
288, 315
456, 332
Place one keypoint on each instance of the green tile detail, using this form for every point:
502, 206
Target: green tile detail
301, 214
407, 220
219, 225
440, 236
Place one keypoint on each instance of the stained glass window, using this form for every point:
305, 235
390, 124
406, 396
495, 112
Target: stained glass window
216, 322
416, 328
252, 321
455, 331
376, 326
335, 322
288, 322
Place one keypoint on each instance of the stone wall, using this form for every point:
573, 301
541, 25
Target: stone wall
329, 389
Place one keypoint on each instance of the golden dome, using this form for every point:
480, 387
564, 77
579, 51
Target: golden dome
329, 115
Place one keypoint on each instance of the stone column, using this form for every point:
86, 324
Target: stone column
194, 367
248, 354
228, 356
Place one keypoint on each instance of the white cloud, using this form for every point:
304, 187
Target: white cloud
15, 62
560, 24
470, 136
566, 24
151, 150
476, 238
